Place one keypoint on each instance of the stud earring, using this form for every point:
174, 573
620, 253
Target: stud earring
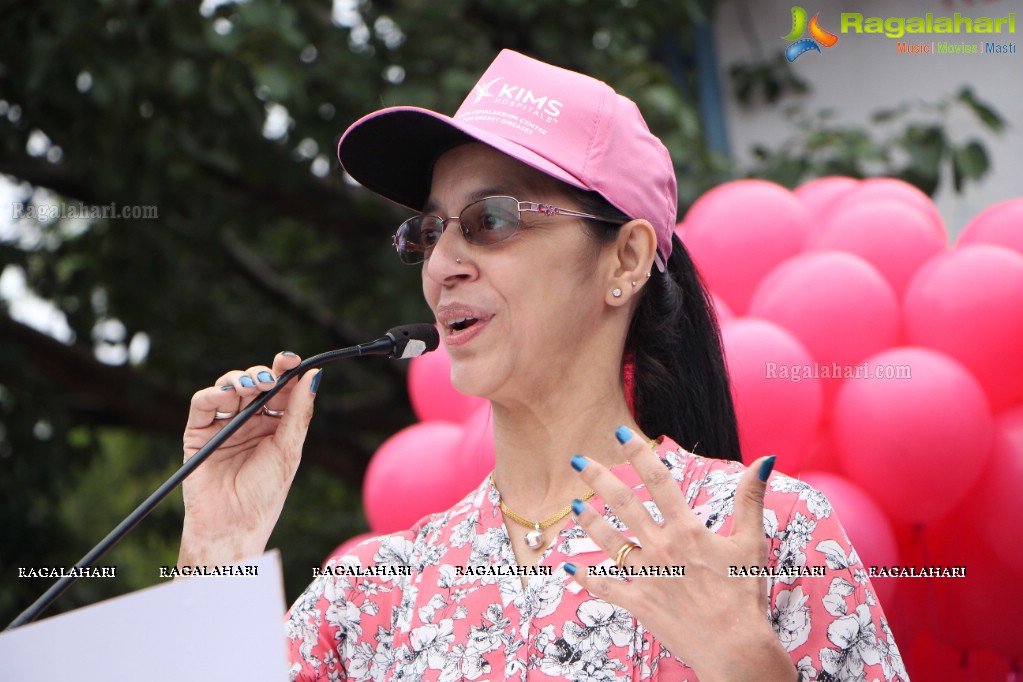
616, 292
633, 282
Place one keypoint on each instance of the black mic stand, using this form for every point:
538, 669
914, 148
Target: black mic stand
400, 342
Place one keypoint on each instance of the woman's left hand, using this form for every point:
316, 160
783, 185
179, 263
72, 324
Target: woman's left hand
715, 623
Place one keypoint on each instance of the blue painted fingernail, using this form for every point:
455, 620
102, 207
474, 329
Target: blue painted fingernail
766, 467
623, 434
287, 352
229, 387
570, 568
265, 377
579, 462
578, 506
246, 381
315, 386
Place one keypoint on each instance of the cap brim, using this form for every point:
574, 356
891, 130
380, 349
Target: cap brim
392, 152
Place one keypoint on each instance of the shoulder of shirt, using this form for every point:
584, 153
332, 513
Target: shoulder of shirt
781, 488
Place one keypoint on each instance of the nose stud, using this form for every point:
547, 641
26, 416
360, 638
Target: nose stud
458, 260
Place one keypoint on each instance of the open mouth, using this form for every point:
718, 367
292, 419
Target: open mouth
461, 323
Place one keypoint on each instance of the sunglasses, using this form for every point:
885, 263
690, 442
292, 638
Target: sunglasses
487, 221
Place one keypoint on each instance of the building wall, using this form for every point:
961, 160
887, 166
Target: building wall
864, 73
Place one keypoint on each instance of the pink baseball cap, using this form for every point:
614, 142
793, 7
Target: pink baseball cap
570, 126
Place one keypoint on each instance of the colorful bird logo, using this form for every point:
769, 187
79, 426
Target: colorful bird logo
818, 35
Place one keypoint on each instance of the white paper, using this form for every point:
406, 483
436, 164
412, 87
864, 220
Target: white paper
201, 628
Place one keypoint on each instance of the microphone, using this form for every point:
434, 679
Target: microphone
406, 341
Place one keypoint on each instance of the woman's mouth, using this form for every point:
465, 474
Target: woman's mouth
461, 323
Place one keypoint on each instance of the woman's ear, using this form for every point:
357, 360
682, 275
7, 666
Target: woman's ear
633, 258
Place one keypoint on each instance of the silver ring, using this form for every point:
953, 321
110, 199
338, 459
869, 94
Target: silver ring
218, 415
272, 413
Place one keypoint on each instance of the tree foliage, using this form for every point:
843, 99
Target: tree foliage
226, 120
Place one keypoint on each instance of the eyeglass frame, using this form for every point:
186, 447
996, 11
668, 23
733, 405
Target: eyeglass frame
547, 210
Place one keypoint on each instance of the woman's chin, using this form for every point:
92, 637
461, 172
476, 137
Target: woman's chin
471, 382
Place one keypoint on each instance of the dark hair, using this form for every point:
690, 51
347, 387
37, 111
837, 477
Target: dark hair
680, 384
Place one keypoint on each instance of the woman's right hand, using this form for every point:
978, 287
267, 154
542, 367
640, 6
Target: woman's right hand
233, 500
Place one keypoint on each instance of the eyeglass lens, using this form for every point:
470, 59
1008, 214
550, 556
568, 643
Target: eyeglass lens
487, 221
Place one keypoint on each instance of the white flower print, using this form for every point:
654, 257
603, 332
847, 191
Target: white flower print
447, 576
770, 523
546, 594
403, 613
560, 659
855, 637
807, 673
891, 658
346, 616
719, 486
436, 625
603, 624
834, 601
394, 550
465, 530
816, 503
427, 612
799, 531
595, 666
655, 513
491, 633
463, 663
837, 559
432, 642
360, 660
383, 656
791, 618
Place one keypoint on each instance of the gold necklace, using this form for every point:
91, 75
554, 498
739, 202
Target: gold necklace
534, 538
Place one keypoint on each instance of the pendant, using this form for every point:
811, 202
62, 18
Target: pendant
534, 537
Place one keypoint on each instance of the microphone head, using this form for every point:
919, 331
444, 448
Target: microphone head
412, 340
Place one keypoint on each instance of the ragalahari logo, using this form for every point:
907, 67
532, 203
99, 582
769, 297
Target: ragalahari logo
818, 36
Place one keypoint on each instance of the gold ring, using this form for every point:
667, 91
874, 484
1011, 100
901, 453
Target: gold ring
218, 415
272, 413
624, 552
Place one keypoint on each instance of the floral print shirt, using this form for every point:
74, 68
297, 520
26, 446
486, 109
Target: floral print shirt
438, 622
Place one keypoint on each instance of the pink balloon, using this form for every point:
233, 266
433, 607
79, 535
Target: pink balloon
1001, 224
875, 189
818, 194
820, 453
916, 444
926, 658
412, 474
475, 458
996, 585
777, 410
865, 524
739, 231
998, 493
968, 303
893, 236
430, 390
837, 305
721, 309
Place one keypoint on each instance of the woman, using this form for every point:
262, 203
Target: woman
562, 279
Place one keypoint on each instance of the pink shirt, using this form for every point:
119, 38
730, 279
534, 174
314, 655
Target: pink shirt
434, 624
